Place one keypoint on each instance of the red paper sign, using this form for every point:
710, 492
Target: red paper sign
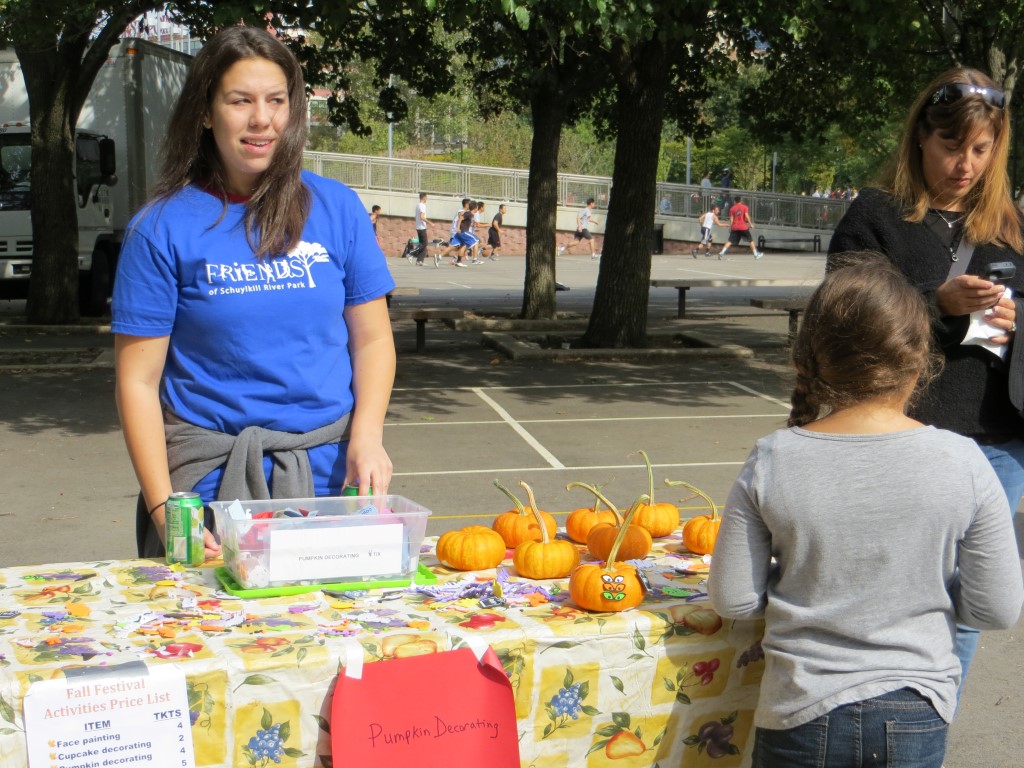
431, 711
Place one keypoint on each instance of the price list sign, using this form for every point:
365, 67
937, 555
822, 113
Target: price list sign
110, 717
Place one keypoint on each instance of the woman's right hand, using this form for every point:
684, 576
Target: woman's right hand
211, 546
965, 294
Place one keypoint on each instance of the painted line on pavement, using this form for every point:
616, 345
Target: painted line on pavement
602, 385
585, 420
568, 469
527, 437
762, 395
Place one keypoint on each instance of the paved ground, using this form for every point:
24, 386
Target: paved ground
462, 416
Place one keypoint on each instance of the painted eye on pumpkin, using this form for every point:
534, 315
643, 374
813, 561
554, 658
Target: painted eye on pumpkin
619, 579
606, 578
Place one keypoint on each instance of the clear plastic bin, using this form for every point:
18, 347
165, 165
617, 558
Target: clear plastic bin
349, 538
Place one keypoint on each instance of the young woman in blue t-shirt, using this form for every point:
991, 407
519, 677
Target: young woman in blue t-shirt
249, 309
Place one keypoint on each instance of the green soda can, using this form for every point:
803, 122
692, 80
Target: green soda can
183, 517
353, 490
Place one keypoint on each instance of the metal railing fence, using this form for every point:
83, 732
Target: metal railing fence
508, 185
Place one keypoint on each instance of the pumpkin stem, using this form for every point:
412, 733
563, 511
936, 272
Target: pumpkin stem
699, 492
650, 477
507, 492
544, 538
643, 498
600, 497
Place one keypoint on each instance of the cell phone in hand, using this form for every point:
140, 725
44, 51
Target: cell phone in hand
1000, 271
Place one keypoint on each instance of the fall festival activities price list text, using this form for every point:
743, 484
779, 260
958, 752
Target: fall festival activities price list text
116, 717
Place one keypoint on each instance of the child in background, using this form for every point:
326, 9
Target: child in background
374, 214
861, 537
708, 221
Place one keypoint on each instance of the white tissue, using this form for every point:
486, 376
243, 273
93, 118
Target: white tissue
980, 330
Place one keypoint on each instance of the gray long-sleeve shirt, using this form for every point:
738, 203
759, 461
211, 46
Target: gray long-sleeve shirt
881, 542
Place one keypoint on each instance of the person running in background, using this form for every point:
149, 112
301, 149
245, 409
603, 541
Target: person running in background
583, 221
453, 230
861, 536
477, 249
708, 221
464, 239
740, 228
494, 232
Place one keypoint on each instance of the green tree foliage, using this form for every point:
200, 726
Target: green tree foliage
61, 47
858, 65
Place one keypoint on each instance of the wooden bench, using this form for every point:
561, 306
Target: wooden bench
815, 241
794, 305
683, 285
401, 292
421, 316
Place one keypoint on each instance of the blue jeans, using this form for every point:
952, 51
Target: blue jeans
1007, 459
896, 730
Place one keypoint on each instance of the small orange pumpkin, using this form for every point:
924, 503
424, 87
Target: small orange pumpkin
580, 521
473, 548
613, 586
635, 544
659, 518
519, 524
545, 559
701, 532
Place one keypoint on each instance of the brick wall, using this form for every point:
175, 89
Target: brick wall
395, 231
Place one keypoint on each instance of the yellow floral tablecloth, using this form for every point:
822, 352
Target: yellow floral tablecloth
666, 684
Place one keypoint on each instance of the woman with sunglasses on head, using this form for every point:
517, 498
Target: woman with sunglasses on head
252, 342
942, 215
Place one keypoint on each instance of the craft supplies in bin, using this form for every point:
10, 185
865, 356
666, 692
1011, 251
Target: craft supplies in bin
284, 542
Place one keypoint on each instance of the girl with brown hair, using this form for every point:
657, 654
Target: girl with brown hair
860, 536
253, 346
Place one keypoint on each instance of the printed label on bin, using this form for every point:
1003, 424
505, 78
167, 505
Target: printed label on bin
331, 553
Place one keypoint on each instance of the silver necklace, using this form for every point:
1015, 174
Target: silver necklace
949, 223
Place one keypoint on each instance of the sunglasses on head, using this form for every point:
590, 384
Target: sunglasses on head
953, 92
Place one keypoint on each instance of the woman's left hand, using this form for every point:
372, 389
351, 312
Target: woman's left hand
368, 464
1003, 316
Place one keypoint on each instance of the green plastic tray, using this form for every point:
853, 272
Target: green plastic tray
423, 575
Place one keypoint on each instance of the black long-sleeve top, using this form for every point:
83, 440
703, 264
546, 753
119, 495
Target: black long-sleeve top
971, 396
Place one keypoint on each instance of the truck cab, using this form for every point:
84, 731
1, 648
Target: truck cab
94, 174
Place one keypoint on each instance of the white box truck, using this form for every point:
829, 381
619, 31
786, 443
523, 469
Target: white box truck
118, 141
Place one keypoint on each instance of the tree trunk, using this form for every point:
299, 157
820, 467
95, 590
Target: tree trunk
619, 315
53, 287
547, 105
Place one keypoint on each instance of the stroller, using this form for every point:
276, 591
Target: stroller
416, 252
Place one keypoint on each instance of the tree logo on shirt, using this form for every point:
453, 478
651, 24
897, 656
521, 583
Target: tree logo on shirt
308, 254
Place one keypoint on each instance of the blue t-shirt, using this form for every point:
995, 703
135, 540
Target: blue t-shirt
252, 342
